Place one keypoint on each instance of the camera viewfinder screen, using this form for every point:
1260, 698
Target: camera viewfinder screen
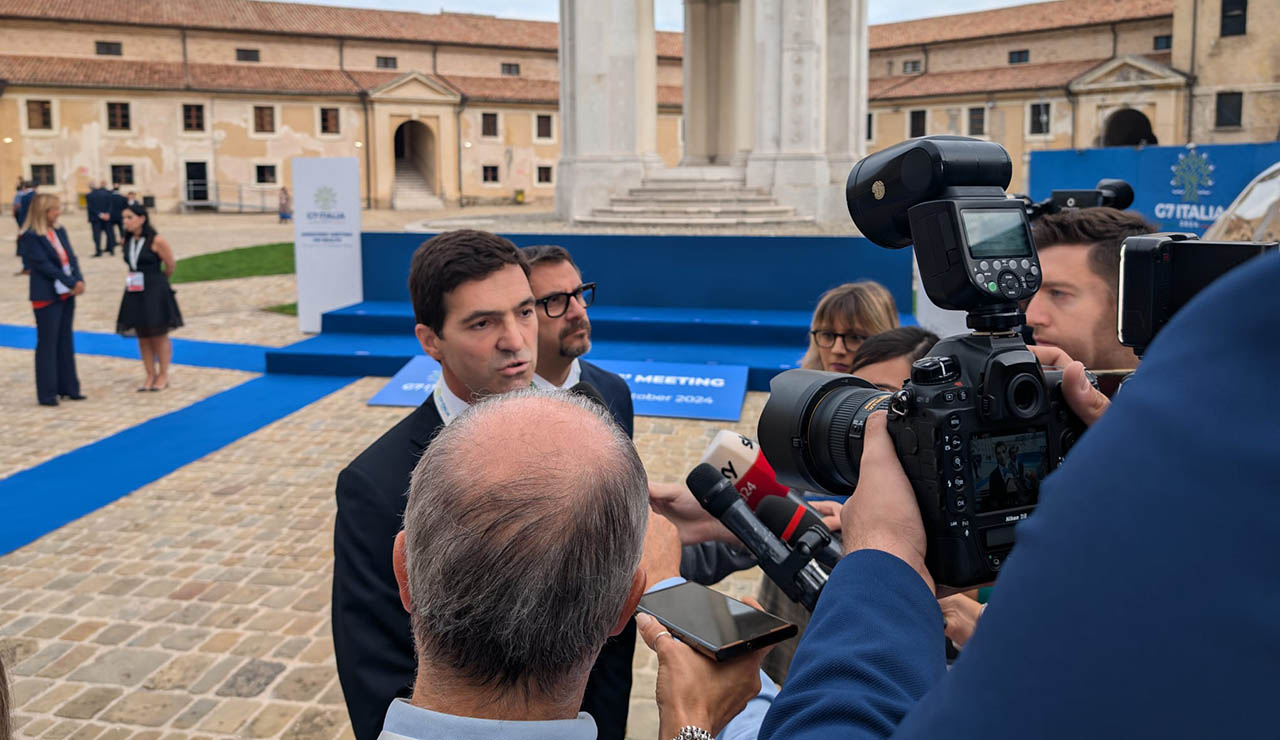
996, 232
1008, 469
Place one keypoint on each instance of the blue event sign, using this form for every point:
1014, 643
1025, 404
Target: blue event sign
679, 390
1178, 188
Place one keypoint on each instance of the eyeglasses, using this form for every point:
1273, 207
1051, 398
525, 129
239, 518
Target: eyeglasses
827, 339
556, 304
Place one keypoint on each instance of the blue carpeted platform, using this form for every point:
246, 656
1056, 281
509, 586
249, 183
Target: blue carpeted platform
36, 501
225, 355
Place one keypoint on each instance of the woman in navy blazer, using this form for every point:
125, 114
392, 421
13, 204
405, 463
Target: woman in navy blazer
55, 282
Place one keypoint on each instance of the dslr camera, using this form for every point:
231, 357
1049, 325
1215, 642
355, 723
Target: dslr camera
980, 423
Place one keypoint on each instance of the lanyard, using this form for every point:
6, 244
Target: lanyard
135, 251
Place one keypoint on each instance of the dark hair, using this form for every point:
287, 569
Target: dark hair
450, 259
547, 254
148, 232
911, 342
1105, 229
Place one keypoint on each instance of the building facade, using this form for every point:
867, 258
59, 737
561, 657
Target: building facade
204, 104
199, 103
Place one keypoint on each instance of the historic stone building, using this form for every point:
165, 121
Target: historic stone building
192, 101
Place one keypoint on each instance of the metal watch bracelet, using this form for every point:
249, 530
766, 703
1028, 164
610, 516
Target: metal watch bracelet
689, 732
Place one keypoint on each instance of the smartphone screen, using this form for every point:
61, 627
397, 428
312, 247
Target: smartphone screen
712, 623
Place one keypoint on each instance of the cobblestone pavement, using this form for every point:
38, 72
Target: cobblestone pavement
198, 606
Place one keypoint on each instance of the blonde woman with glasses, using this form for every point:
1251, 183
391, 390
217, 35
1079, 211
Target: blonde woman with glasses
55, 282
846, 315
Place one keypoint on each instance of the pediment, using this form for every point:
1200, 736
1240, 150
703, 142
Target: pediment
417, 87
1128, 72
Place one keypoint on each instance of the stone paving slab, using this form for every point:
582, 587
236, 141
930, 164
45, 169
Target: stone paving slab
198, 606
32, 434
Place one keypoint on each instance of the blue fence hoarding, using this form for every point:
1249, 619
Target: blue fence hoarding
1178, 188
679, 390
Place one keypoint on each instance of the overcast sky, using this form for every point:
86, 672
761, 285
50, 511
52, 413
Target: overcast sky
668, 14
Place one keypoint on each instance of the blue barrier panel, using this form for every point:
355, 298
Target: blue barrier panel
742, 272
411, 385
1177, 188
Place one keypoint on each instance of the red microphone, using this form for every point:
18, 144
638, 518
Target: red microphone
739, 459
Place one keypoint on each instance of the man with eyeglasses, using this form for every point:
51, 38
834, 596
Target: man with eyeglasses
564, 331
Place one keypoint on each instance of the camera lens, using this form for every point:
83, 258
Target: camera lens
1025, 395
812, 425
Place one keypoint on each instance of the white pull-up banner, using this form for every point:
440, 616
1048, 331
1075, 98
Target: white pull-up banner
326, 236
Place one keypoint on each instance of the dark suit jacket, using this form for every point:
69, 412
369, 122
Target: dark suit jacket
1139, 543
372, 640
96, 202
24, 203
116, 203
39, 256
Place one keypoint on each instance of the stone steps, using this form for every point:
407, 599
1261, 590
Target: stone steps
412, 192
694, 196
680, 209
701, 198
640, 220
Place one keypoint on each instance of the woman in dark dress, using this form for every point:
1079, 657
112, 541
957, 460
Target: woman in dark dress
148, 309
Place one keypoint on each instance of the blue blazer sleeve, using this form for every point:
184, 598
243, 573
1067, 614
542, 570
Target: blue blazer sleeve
39, 257
873, 647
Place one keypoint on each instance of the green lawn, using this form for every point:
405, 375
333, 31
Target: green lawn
264, 259
288, 309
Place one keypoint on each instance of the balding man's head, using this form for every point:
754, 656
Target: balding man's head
523, 533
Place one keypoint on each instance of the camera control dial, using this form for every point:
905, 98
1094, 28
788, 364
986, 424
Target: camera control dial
934, 370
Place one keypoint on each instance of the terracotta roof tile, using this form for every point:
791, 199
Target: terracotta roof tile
1000, 79
258, 79
113, 73
311, 20
506, 89
1017, 19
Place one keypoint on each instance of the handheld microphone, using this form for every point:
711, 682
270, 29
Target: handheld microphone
789, 521
792, 570
739, 459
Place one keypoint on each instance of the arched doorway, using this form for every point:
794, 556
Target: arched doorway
1128, 127
415, 155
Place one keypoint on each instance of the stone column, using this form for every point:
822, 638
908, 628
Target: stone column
608, 103
790, 153
846, 94
698, 105
744, 98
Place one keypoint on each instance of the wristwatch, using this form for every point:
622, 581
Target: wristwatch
689, 732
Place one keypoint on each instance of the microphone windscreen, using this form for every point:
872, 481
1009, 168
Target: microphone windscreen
787, 519
739, 459
586, 390
703, 481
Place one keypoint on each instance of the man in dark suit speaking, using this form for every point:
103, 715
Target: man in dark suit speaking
475, 316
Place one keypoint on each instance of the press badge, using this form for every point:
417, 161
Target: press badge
133, 282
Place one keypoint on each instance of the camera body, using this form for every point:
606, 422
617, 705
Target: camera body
1159, 273
979, 423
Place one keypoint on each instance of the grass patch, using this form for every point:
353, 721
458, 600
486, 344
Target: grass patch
264, 259
288, 309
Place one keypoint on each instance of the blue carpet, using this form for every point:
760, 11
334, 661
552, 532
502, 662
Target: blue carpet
247, 357
37, 501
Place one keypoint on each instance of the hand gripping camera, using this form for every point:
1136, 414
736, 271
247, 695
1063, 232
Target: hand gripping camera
979, 424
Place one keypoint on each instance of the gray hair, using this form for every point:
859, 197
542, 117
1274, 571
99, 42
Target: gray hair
518, 572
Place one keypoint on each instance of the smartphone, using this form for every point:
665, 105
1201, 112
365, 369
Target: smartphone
714, 624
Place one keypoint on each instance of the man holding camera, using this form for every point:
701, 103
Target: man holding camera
1130, 518
1075, 308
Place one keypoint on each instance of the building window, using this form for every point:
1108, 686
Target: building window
1234, 14
118, 116
40, 114
871, 129
108, 48
911, 66
264, 119
1039, 123
977, 121
42, 174
266, 174
386, 62
329, 121
1021, 56
1162, 42
917, 123
1228, 112
248, 55
122, 174
490, 173
489, 125
544, 130
192, 117
510, 69
544, 174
